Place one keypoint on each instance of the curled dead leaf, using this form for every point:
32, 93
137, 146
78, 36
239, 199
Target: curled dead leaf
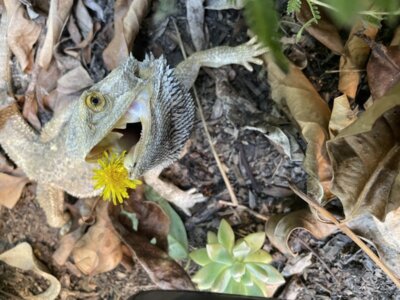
354, 58
342, 115
58, 15
324, 30
11, 189
21, 256
99, 250
280, 227
127, 18
22, 34
294, 93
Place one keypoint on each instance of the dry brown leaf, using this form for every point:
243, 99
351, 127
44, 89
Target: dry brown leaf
301, 102
383, 69
21, 257
162, 270
324, 31
127, 18
195, 19
354, 58
10, 189
366, 165
99, 250
22, 34
342, 115
280, 227
58, 15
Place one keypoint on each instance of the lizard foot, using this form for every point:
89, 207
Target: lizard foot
185, 199
249, 52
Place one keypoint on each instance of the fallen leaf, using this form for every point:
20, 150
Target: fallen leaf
162, 269
354, 58
94, 6
301, 103
383, 69
297, 265
324, 30
366, 166
21, 257
195, 19
280, 227
11, 189
342, 115
224, 4
58, 15
127, 18
22, 34
99, 250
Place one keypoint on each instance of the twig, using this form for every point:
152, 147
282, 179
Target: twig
318, 257
347, 231
203, 121
250, 211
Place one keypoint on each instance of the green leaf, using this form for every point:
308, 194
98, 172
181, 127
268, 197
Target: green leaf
177, 237
255, 241
262, 286
255, 291
207, 275
237, 288
218, 253
257, 272
226, 237
241, 249
212, 238
260, 256
200, 257
222, 281
274, 277
247, 280
238, 271
263, 21
293, 6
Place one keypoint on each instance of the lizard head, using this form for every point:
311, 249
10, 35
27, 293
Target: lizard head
139, 108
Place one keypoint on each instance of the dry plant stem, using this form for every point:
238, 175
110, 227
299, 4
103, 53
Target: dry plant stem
250, 211
346, 230
203, 121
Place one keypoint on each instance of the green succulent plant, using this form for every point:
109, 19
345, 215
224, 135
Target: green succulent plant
240, 267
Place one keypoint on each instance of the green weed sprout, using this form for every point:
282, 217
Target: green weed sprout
235, 268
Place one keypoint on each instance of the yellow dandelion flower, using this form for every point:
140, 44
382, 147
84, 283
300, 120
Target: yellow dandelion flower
112, 177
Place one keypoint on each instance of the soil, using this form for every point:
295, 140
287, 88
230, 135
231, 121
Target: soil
258, 172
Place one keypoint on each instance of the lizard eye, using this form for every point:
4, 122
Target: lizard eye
95, 101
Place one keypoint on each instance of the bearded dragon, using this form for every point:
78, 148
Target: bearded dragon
147, 100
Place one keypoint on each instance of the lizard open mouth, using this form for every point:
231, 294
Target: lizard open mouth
124, 135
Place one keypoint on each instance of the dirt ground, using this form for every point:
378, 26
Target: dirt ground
259, 173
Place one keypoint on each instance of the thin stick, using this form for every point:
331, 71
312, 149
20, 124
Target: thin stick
347, 231
250, 211
203, 122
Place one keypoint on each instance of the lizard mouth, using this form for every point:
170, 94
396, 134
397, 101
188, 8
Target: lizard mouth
124, 136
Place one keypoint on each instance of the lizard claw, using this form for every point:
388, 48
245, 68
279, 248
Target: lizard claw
186, 199
250, 52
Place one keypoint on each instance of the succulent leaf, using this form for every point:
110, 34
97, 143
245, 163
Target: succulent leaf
212, 238
241, 249
218, 253
260, 256
255, 291
238, 270
222, 281
207, 275
255, 241
200, 257
274, 277
262, 286
257, 272
247, 279
226, 237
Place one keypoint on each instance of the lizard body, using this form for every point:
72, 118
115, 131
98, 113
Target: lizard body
60, 157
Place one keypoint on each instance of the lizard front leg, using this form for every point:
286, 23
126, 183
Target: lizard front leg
244, 54
182, 199
51, 200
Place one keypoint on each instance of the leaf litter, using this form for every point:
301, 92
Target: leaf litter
312, 119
